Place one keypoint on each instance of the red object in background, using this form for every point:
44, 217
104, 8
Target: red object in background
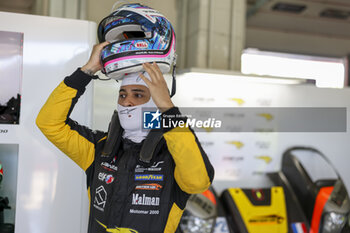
321, 199
1, 170
210, 195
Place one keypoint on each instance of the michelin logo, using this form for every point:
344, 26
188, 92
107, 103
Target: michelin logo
149, 177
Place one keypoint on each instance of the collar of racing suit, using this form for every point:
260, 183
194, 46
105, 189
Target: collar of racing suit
147, 147
128, 144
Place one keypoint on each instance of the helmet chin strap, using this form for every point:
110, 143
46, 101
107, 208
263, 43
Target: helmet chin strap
173, 86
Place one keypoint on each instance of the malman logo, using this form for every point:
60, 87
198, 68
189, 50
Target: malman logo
153, 186
149, 177
151, 119
137, 199
141, 45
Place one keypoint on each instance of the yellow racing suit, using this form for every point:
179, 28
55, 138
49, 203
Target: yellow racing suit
127, 194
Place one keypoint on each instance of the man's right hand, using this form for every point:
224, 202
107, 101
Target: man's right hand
94, 64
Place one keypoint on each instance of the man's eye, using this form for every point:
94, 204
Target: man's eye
122, 96
139, 95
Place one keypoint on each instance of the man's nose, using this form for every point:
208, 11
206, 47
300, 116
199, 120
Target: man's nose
128, 102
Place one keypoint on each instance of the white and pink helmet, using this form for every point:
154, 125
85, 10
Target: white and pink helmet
138, 34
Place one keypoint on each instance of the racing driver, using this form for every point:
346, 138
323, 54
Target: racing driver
126, 193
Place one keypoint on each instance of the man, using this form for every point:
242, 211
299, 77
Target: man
127, 194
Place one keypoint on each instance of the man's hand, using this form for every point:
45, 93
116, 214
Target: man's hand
94, 64
157, 86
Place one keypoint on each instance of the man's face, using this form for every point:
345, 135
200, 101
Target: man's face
133, 95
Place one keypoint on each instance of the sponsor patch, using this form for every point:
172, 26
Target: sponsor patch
102, 176
144, 200
109, 179
149, 177
132, 211
109, 167
141, 45
105, 177
153, 186
155, 167
100, 198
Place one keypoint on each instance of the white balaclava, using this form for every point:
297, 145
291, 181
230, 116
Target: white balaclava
131, 116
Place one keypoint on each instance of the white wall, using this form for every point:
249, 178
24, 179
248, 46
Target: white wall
51, 189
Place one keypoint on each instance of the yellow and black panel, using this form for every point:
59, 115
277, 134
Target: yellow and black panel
256, 210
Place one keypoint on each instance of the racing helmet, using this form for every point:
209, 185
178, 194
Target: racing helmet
137, 34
